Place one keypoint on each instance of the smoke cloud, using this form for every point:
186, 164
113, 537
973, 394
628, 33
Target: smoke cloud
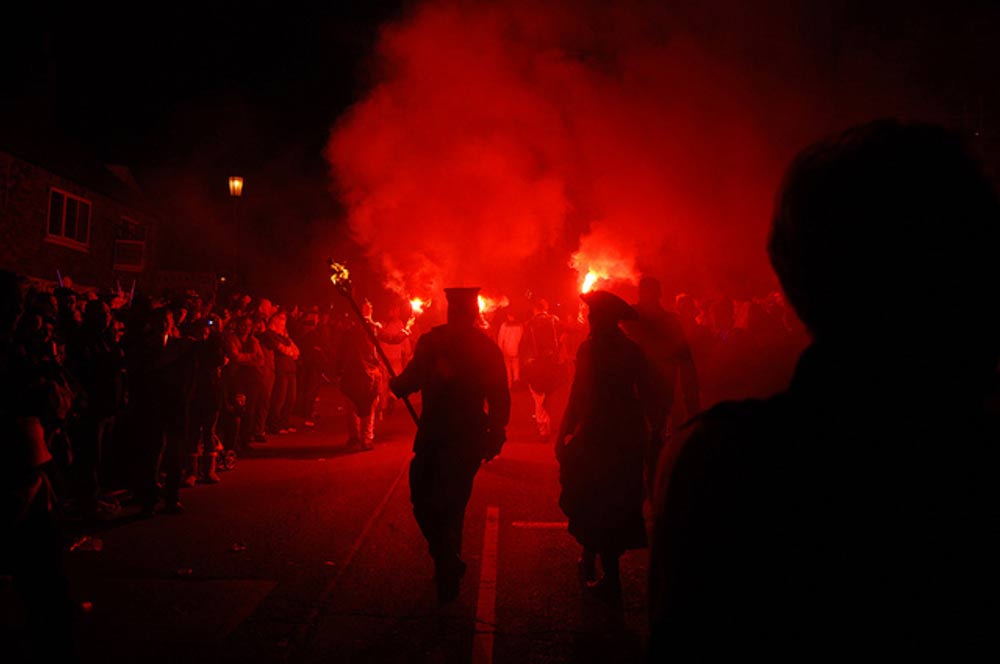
514, 145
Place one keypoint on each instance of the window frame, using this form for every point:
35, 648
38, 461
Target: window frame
62, 239
123, 267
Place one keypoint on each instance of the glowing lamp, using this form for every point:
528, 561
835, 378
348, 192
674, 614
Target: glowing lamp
235, 186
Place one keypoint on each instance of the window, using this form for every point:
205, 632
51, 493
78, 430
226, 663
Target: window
69, 219
130, 245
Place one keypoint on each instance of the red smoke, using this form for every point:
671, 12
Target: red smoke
505, 141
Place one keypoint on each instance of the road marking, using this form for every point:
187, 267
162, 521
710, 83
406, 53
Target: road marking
304, 634
541, 525
486, 605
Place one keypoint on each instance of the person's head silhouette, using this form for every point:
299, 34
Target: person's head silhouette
885, 239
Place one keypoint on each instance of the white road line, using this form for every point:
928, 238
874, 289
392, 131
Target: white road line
486, 605
541, 525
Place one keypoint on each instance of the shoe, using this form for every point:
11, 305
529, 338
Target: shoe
448, 579
367, 446
282, 431
352, 443
190, 475
260, 438
292, 430
208, 466
227, 460
309, 424
173, 507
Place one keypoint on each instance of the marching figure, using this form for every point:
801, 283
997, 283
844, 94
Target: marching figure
466, 406
601, 444
360, 373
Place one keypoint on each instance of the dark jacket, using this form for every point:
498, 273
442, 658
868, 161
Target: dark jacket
458, 371
855, 513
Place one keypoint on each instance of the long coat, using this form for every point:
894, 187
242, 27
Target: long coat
602, 442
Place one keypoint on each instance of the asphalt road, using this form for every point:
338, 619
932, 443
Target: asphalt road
307, 553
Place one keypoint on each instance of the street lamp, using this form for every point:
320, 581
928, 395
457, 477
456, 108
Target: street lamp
235, 192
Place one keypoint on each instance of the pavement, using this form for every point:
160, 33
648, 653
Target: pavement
309, 553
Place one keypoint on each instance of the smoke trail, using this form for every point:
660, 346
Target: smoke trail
505, 136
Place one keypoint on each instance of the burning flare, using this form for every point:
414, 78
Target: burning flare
418, 305
601, 260
489, 305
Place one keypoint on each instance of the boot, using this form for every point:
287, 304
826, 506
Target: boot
190, 474
208, 474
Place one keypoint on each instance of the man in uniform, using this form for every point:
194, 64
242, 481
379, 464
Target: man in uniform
466, 407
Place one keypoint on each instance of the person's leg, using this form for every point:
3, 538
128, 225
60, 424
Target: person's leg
609, 587
171, 465
291, 395
86, 455
542, 416
265, 387
367, 421
459, 475
539, 399
279, 391
353, 422
515, 364
424, 495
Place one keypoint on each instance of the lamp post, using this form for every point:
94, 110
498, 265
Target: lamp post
235, 193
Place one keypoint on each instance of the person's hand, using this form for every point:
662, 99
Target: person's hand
495, 439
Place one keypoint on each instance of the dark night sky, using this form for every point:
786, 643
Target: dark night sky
188, 94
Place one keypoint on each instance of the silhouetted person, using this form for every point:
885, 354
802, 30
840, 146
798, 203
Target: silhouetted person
98, 363
854, 515
162, 376
660, 335
542, 370
360, 370
466, 406
602, 442
31, 554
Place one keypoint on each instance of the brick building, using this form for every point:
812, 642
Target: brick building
61, 211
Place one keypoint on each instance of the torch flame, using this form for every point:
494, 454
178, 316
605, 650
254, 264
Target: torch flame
417, 306
589, 281
488, 304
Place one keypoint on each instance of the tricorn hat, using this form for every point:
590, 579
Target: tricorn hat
608, 305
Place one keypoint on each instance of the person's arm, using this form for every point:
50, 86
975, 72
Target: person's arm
497, 402
577, 397
234, 350
414, 376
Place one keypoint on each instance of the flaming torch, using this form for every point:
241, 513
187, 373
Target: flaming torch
340, 277
417, 305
